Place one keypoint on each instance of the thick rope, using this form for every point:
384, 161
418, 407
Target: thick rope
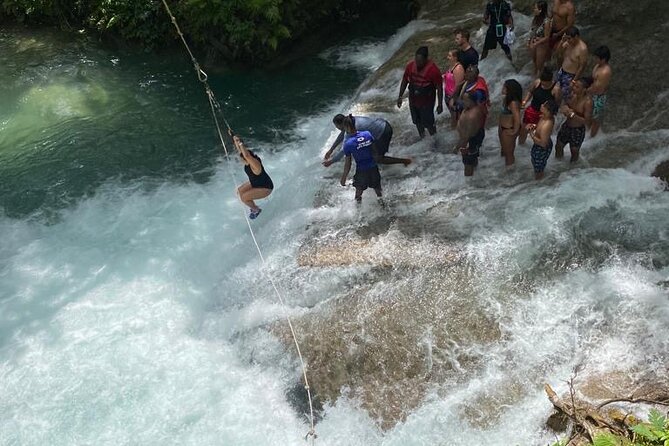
215, 106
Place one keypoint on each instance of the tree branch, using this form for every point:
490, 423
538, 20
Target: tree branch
633, 400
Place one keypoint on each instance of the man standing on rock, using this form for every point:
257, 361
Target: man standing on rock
564, 17
467, 55
423, 78
477, 87
578, 111
471, 132
601, 75
498, 16
574, 62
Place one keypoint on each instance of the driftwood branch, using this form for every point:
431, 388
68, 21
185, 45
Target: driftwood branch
583, 414
633, 400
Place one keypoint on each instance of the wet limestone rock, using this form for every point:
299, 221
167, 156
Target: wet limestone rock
662, 172
387, 350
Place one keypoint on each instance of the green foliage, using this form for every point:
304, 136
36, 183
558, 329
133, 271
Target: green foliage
247, 30
653, 433
610, 440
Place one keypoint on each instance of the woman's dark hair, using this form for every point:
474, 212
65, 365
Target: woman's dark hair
349, 123
551, 105
338, 120
543, 13
514, 92
546, 74
603, 52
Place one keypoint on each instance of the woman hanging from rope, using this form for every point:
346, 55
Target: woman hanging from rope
259, 184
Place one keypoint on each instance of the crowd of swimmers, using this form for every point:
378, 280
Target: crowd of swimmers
462, 89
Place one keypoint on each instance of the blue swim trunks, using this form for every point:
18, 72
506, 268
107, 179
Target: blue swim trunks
565, 78
540, 156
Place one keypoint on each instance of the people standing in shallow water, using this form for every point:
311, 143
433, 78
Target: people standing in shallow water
540, 91
259, 184
509, 119
574, 61
471, 132
381, 131
539, 36
454, 76
359, 146
467, 55
423, 78
498, 16
541, 136
578, 111
601, 75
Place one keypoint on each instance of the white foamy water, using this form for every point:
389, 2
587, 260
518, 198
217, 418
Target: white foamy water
142, 317
369, 56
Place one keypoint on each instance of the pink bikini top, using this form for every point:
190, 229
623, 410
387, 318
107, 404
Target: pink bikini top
449, 81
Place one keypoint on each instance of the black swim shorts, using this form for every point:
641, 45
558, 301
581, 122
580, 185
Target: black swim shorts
422, 117
367, 178
573, 136
474, 146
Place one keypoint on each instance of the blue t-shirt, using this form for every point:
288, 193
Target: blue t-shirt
360, 146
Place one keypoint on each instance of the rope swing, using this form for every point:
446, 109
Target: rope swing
215, 107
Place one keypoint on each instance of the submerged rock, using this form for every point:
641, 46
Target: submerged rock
662, 172
630, 384
387, 349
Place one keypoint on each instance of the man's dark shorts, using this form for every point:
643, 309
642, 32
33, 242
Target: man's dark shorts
474, 146
382, 144
422, 116
367, 178
573, 136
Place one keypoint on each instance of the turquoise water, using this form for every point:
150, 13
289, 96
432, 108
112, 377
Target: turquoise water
74, 115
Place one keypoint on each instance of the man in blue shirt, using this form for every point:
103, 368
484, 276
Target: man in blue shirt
359, 146
381, 131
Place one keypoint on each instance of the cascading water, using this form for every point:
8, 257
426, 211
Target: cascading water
133, 310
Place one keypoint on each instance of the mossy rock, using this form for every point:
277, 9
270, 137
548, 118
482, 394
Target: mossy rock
662, 172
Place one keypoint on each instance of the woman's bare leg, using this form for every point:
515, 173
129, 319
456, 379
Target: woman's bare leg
541, 57
252, 194
508, 143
